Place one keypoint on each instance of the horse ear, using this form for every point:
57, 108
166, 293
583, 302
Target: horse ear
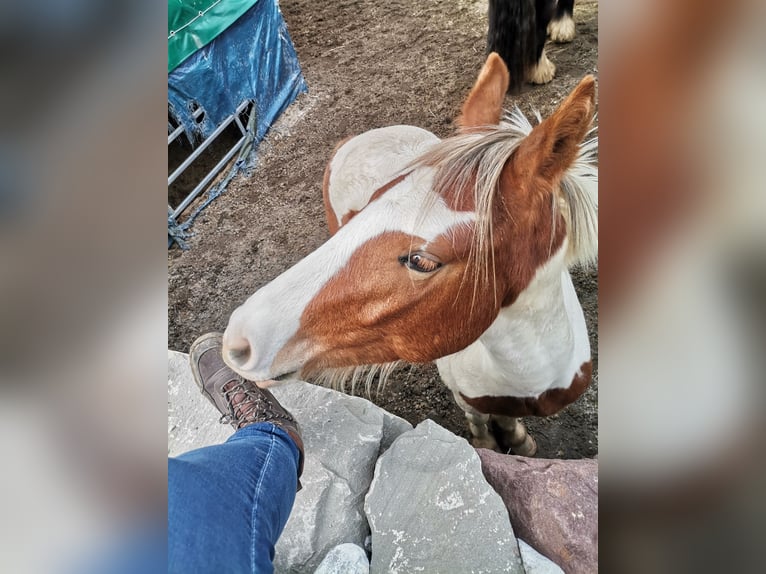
484, 105
552, 146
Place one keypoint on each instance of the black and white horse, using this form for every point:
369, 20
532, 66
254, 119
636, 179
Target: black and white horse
518, 30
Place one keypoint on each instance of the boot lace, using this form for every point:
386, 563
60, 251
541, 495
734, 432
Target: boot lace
253, 407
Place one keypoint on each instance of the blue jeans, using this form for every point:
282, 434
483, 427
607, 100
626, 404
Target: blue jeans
228, 503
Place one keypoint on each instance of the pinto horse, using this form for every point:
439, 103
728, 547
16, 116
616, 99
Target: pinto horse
455, 251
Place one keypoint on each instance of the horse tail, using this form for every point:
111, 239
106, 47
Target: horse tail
513, 34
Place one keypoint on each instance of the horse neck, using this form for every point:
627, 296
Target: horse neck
539, 341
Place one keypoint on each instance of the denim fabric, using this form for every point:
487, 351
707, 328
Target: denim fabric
228, 503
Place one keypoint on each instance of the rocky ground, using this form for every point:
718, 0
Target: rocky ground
400, 499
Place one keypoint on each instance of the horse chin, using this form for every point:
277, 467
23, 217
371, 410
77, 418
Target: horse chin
269, 378
290, 377
279, 380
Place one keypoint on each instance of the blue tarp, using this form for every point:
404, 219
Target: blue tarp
192, 24
253, 59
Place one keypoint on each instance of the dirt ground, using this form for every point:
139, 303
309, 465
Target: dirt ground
368, 64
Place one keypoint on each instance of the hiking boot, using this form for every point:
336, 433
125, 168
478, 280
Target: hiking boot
240, 402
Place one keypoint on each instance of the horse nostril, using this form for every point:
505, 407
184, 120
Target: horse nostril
238, 350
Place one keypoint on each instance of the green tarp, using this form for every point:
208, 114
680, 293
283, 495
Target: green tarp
194, 23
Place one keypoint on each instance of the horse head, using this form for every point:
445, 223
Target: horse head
445, 235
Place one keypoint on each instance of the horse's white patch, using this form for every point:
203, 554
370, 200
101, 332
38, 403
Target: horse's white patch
536, 344
369, 161
271, 317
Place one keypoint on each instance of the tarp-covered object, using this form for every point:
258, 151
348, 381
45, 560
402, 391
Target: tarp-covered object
192, 24
253, 59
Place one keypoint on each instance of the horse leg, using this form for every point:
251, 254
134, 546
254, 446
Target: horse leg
562, 27
478, 424
515, 436
542, 72
543, 69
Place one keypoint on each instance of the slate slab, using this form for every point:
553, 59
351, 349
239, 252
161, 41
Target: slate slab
345, 559
536, 563
430, 509
343, 436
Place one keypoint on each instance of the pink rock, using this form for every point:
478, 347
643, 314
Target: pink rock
553, 505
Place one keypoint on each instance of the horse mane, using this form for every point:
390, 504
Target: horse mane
474, 161
336, 378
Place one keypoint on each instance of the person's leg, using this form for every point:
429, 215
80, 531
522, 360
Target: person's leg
228, 504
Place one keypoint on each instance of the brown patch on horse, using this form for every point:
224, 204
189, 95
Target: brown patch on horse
377, 311
378, 192
548, 403
484, 104
527, 227
531, 231
528, 185
332, 219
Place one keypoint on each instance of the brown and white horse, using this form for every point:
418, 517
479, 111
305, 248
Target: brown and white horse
455, 251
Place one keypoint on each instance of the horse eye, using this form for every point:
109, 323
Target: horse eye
419, 263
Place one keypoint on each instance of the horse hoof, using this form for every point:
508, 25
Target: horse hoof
542, 72
562, 31
487, 442
526, 448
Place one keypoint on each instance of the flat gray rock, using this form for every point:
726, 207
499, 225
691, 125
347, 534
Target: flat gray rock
431, 510
536, 563
343, 437
345, 559
553, 505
